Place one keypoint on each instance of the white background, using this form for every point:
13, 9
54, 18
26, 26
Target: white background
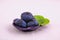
11, 9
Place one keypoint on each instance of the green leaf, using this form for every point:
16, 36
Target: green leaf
46, 21
40, 19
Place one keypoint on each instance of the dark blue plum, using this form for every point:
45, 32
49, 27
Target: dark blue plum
19, 23
27, 16
32, 23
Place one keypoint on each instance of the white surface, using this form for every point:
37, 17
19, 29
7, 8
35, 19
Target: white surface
11, 9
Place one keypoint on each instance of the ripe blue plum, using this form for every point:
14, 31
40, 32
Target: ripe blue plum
19, 23
32, 23
27, 16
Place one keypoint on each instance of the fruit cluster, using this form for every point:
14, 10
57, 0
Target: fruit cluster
28, 22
